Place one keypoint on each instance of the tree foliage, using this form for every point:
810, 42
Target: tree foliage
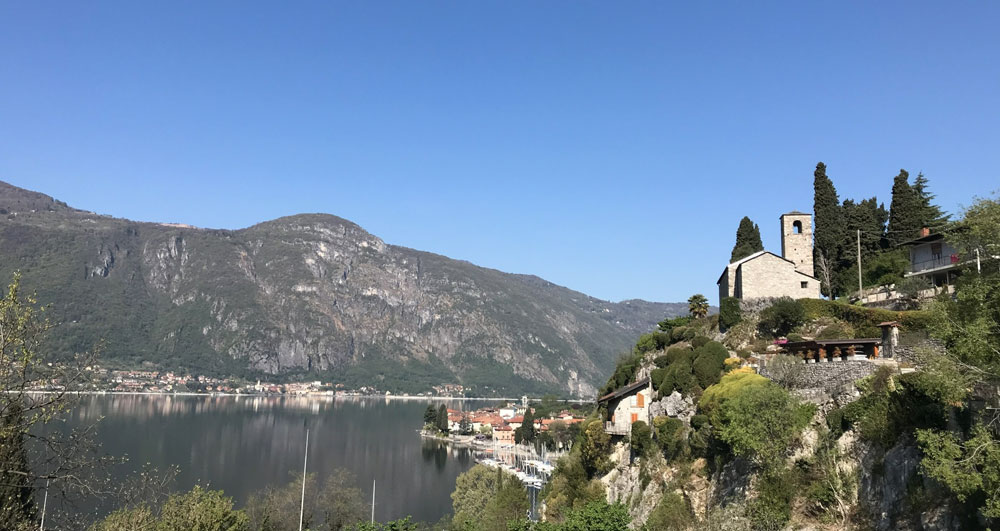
29, 456
761, 422
698, 306
730, 313
906, 210
747, 240
782, 317
828, 219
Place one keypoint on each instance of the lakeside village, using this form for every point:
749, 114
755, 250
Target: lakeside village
525, 439
102, 380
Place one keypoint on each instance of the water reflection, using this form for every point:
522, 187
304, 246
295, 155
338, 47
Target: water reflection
241, 444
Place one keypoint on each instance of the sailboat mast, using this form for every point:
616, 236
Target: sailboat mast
305, 461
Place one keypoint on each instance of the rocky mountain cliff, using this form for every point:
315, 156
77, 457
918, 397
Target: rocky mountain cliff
306, 294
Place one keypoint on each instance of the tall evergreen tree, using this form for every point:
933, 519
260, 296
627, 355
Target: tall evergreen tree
931, 214
905, 212
829, 226
442, 418
870, 218
747, 240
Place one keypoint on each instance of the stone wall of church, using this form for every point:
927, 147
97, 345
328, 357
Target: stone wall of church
770, 276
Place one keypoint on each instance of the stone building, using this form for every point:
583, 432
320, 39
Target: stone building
767, 275
627, 405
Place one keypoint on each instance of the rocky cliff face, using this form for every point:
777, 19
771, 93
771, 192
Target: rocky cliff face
307, 294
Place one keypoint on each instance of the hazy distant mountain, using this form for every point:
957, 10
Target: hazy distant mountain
311, 293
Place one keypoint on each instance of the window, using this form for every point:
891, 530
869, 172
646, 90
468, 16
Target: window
797, 227
639, 401
936, 251
804, 284
635, 417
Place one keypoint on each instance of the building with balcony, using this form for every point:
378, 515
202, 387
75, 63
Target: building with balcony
626, 405
933, 258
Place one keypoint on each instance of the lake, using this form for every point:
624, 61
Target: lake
243, 444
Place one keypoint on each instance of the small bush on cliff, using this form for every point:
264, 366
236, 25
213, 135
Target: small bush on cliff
671, 437
699, 341
652, 341
671, 513
709, 362
641, 438
678, 377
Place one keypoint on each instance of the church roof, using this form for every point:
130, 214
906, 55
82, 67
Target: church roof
795, 213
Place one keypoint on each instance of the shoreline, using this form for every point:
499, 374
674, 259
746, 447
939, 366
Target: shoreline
271, 395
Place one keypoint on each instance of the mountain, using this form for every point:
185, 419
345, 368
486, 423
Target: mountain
310, 294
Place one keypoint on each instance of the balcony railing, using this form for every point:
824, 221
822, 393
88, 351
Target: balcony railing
934, 263
612, 428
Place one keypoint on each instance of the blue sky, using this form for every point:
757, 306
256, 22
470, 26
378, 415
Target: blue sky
609, 147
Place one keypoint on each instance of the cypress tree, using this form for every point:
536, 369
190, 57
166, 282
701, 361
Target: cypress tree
870, 218
442, 418
905, 211
829, 221
747, 240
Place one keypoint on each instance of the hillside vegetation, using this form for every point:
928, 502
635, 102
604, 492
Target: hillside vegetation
914, 445
310, 295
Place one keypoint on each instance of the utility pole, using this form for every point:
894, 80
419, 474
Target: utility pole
305, 460
859, 264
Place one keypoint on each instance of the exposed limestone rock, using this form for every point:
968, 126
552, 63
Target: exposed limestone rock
674, 405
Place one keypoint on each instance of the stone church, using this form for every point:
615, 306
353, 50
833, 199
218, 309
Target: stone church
767, 275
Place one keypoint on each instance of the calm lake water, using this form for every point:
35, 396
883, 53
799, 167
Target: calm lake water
243, 444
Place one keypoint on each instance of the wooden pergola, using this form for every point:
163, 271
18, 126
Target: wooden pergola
826, 350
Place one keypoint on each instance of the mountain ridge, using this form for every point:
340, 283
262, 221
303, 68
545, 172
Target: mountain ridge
308, 294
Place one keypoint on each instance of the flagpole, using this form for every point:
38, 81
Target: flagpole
305, 460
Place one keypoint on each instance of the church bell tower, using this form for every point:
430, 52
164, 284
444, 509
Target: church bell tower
797, 241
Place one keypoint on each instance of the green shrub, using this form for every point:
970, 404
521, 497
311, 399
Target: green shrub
661, 361
698, 421
675, 353
837, 330
641, 438
678, 377
656, 377
671, 436
672, 512
668, 325
892, 405
761, 422
652, 341
773, 506
865, 319
729, 386
699, 341
595, 447
709, 364
782, 317
729, 313
794, 338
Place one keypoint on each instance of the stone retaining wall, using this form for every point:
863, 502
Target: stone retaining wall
829, 376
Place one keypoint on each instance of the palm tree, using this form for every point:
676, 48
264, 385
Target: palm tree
698, 305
